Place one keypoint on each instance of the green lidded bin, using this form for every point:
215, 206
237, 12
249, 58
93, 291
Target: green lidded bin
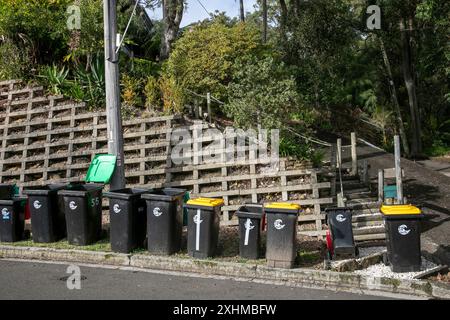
83, 202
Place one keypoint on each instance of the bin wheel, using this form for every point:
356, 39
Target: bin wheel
329, 243
356, 252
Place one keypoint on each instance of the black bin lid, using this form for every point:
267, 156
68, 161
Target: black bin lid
125, 194
43, 190
164, 194
252, 211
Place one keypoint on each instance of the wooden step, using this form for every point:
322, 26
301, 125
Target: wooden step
367, 223
359, 195
371, 237
366, 211
350, 185
362, 204
368, 230
354, 190
367, 217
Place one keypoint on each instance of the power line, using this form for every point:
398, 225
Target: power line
206, 10
128, 25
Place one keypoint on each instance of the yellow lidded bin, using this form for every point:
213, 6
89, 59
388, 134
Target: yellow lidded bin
203, 216
206, 202
397, 210
403, 228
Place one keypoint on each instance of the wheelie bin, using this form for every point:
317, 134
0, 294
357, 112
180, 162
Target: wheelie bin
164, 220
83, 202
340, 241
402, 224
281, 248
250, 224
12, 219
203, 226
48, 223
128, 220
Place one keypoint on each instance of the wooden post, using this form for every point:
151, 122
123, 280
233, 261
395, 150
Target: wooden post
196, 109
398, 170
354, 155
339, 153
208, 102
380, 185
333, 169
340, 200
365, 171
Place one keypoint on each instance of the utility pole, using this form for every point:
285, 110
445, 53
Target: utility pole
114, 117
241, 10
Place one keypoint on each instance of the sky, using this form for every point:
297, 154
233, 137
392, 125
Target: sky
195, 12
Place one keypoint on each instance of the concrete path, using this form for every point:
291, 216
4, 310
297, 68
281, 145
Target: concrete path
33, 280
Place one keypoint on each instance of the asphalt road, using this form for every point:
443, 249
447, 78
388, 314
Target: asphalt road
31, 280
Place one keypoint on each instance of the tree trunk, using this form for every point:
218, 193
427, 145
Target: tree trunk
172, 15
264, 8
283, 20
242, 11
410, 84
395, 98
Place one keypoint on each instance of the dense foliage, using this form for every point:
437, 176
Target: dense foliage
319, 60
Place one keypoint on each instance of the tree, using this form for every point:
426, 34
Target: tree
172, 15
264, 89
203, 58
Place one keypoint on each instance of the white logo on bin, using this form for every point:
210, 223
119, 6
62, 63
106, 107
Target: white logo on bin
116, 208
197, 220
340, 218
278, 224
248, 226
37, 204
72, 205
5, 214
403, 230
157, 212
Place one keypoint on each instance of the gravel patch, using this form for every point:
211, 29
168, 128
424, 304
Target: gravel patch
380, 270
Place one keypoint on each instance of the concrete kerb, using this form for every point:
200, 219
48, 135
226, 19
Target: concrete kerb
339, 281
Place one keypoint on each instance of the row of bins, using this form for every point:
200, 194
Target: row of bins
74, 211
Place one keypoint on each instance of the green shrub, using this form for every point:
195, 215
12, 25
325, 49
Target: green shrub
130, 95
152, 95
54, 78
263, 90
203, 58
12, 61
93, 82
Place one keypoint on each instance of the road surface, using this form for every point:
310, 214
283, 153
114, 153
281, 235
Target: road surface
36, 280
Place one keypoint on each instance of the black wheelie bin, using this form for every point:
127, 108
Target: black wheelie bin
83, 202
203, 226
402, 224
128, 219
281, 248
250, 225
12, 219
164, 220
340, 241
48, 222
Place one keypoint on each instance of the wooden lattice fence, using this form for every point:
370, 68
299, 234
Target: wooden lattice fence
47, 139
